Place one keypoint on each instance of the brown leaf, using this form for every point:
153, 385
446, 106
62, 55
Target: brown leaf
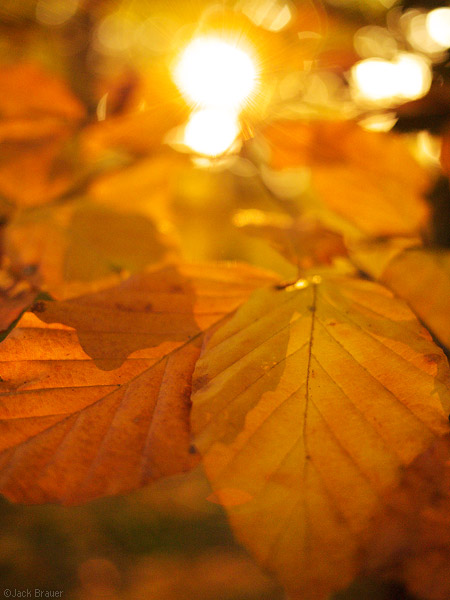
220, 573
445, 153
95, 392
370, 179
311, 399
410, 541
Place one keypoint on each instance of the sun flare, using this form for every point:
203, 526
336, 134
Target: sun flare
215, 73
211, 131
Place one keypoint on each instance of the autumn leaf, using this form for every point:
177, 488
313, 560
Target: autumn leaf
304, 242
148, 182
370, 179
50, 97
95, 392
15, 297
34, 131
310, 400
83, 241
203, 576
410, 539
154, 108
420, 276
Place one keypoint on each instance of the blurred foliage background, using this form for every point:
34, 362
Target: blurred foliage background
381, 62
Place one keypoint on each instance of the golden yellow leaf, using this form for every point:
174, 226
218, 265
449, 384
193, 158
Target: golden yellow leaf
418, 275
370, 179
95, 392
145, 186
310, 400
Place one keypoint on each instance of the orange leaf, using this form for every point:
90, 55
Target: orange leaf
311, 399
229, 497
370, 179
28, 91
155, 108
95, 392
83, 241
34, 130
15, 298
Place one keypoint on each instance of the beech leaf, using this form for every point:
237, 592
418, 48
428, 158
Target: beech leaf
34, 130
83, 241
303, 242
370, 179
95, 392
420, 276
15, 298
309, 401
410, 541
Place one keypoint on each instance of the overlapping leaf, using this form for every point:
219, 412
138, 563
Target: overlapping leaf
34, 130
418, 275
307, 404
83, 241
304, 242
152, 110
370, 179
410, 541
15, 298
95, 392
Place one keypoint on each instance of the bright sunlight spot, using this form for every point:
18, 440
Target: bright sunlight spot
211, 131
438, 26
375, 79
214, 73
385, 82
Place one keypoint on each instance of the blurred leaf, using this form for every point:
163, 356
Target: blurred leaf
310, 400
154, 108
38, 114
370, 179
95, 394
83, 241
418, 275
144, 187
15, 298
445, 153
224, 574
410, 540
26, 91
303, 242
